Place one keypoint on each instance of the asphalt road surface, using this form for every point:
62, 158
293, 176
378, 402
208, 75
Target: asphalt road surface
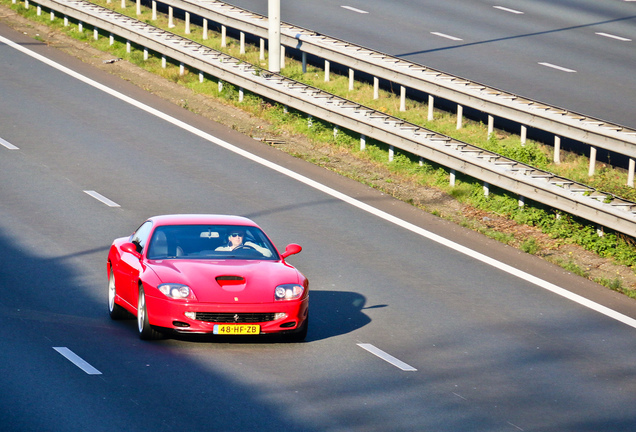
574, 54
408, 331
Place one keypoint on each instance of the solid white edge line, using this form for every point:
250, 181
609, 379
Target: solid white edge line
553, 66
77, 360
387, 357
339, 195
607, 35
360, 11
8, 145
102, 198
454, 38
505, 9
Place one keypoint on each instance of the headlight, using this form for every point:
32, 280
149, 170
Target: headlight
175, 291
288, 292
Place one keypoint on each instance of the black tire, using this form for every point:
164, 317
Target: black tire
146, 331
300, 334
115, 311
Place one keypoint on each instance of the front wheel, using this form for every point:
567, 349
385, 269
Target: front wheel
146, 332
115, 311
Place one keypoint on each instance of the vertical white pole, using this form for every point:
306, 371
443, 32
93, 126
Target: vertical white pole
630, 172
351, 79
273, 12
592, 161
376, 88
402, 98
431, 103
460, 116
205, 29
557, 150
524, 134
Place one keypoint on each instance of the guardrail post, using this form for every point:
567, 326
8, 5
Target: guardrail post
201, 76
491, 125
170, 17
282, 56
187, 22
304, 57
351, 79
138, 11
336, 128
223, 36
242, 43
128, 46
630, 172
402, 98
391, 153
220, 86
431, 105
154, 10
205, 29
486, 189
326, 70
163, 61
376, 88
181, 69
123, 4
241, 94
524, 134
460, 116
65, 21
557, 149
451, 180
521, 201
95, 33
80, 27
52, 15
145, 53
111, 39
39, 10
310, 121
592, 161
261, 56
363, 142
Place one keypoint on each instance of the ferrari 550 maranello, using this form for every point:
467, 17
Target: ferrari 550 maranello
206, 274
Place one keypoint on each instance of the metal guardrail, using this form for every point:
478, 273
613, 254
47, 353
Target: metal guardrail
558, 121
544, 187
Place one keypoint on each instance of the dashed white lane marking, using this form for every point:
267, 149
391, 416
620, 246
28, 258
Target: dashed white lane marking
613, 37
102, 198
387, 357
360, 11
77, 360
334, 193
553, 66
8, 145
505, 9
454, 38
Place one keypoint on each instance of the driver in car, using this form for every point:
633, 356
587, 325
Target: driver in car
235, 241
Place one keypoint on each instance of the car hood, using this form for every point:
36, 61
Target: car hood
225, 281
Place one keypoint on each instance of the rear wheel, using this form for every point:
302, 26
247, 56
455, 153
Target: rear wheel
115, 311
146, 332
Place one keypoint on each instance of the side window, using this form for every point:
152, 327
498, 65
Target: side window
140, 237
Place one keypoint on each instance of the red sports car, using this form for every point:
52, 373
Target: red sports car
206, 274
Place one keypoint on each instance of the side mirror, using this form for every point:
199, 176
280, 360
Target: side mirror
130, 248
291, 249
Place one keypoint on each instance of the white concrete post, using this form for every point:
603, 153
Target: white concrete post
524, 134
205, 29
630, 172
351, 79
273, 14
491, 125
557, 150
486, 189
453, 177
95, 33
241, 94
163, 61
402, 98
242, 43
261, 55
460, 116
170, 17
363, 142
431, 103
181, 69
138, 11
592, 161
326, 70
187, 22
391, 153
201, 76
154, 10
128, 46
376, 88
145, 53
223, 36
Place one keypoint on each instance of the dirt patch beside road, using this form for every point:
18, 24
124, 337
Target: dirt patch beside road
338, 160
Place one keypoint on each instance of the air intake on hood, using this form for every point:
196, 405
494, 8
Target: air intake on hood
230, 280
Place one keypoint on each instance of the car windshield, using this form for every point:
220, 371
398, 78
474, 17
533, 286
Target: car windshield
210, 242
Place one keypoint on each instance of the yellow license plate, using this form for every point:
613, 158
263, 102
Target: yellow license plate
236, 329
